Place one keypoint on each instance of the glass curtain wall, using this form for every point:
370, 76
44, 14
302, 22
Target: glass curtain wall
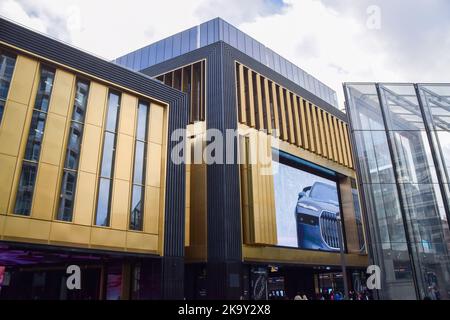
402, 190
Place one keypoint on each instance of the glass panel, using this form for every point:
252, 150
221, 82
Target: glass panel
35, 135
24, 196
67, 196
113, 112
81, 96
141, 130
436, 102
44, 90
2, 108
6, 70
102, 217
443, 147
374, 157
73, 146
412, 156
139, 163
108, 155
402, 107
137, 208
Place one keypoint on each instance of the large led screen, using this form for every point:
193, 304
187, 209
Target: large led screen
307, 208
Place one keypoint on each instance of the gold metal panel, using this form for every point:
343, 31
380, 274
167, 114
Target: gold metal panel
84, 198
152, 210
53, 141
327, 135
267, 106
90, 148
154, 165
96, 105
260, 102
292, 138
68, 233
124, 157
45, 191
275, 109
310, 124
304, 126
251, 98
242, 111
128, 109
157, 123
338, 140
348, 211
348, 146
61, 97
142, 241
109, 238
25, 73
343, 142
323, 138
298, 134
12, 128
284, 133
120, 204
25, 228
8, 166
318, 141
333, 138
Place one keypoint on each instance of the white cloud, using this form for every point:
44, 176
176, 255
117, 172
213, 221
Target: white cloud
327, 38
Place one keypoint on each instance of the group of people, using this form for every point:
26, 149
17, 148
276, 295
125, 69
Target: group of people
335, 295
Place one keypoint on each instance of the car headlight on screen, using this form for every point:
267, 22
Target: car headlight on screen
307, 206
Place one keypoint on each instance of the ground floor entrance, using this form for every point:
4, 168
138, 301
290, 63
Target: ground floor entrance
33, 273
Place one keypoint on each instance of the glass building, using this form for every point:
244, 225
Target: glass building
401, 143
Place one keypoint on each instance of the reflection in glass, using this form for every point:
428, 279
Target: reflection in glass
67, 196
33, 147
2, 108
137, 196
7, 63
102, 217
24, 195
68, 183
107, 164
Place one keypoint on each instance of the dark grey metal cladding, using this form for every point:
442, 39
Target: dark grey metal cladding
51, 49
248, 61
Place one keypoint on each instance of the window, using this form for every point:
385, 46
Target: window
68, 183
7, 63
33, 148
107, 165
138, 192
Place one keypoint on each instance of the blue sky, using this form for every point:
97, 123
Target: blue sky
332, 39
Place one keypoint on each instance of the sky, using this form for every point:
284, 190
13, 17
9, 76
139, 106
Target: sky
334, 40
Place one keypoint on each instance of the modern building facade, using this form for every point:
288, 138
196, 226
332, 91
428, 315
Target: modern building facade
85, 176
250, 234
401, 143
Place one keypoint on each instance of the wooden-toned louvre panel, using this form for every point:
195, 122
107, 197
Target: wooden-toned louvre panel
317, 141
274, 109
282, 113
268, 113
259, 216
310, 124
251, 98
327, 135
343, 142
296, 115
259, 101
288, 99
349, 146
333, 138
302, 105
241, 94
323, 139
338, 141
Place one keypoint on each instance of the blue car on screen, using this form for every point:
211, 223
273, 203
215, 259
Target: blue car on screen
316, 215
